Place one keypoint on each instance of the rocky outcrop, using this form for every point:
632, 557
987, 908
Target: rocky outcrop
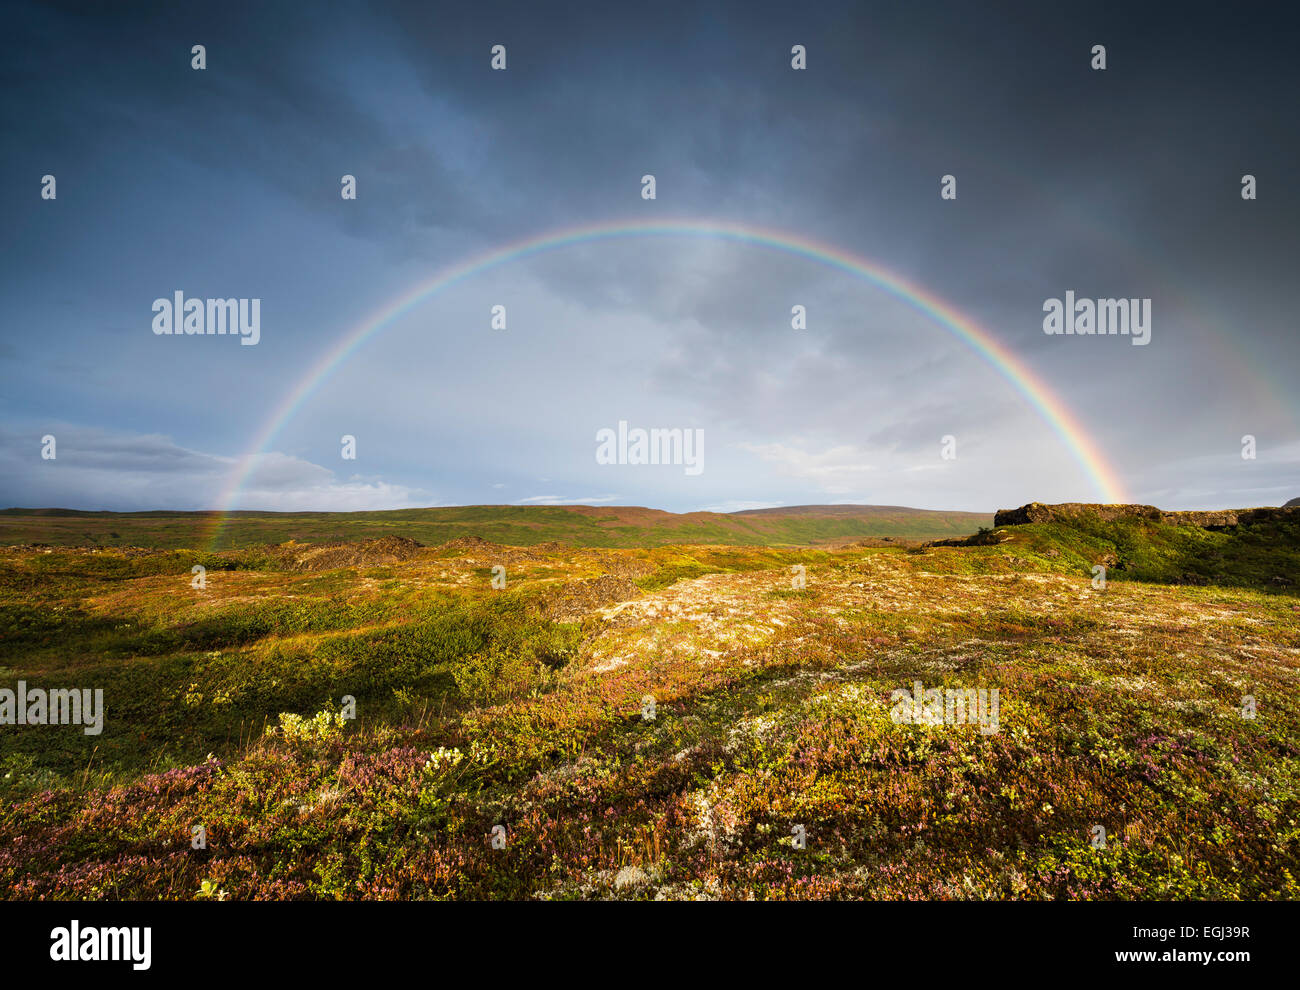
1036, 512
577, 598
1072, 511
333, 556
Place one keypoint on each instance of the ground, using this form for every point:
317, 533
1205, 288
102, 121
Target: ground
668, 722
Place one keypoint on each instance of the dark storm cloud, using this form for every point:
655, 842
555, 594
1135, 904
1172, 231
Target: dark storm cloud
271, 109
1115, 183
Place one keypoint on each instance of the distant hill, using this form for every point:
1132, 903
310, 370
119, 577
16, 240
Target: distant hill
579, 525
1293, 504
875, 511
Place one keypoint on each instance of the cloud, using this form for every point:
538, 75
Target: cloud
567, 500
837, 471
1227, 480
94, 468
740, 505
278, 482
452, 159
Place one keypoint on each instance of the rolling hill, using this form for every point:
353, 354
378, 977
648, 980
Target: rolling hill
577, 525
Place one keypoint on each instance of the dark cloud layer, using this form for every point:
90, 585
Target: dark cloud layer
225, 182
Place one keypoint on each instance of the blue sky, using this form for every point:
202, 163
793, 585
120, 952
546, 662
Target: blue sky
225, 183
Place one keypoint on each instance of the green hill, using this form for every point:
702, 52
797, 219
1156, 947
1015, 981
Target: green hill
1262, 551
577, 525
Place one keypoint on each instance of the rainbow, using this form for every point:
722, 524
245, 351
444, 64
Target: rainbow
1052, 410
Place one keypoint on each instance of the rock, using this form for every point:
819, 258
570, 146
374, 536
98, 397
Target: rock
357, 553
578, 598
1036, 512
630, 876
1067, 512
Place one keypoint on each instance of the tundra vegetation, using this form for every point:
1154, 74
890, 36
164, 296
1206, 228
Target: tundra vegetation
524, 707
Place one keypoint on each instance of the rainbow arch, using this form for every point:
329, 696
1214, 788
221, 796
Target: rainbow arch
1032, 388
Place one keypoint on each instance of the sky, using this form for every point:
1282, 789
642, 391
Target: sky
225, 182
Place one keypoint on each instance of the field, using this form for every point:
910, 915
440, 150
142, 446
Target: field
579, 525
657, 721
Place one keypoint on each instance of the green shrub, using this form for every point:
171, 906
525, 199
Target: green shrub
324, 726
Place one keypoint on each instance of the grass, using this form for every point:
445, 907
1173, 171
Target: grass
1121, 708
1265, 555
608, 526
